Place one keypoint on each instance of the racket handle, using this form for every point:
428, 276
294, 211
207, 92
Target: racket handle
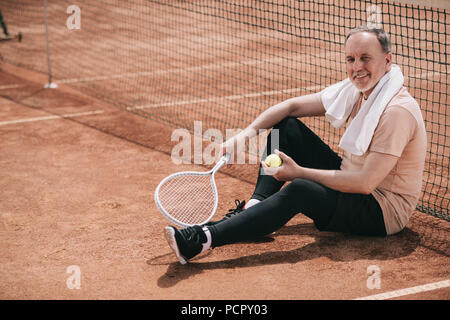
225, 158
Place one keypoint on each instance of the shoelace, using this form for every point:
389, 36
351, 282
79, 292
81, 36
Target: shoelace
192, 234
239, 207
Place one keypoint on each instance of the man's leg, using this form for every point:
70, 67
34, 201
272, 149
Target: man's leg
329, 209
300, 195
310, 198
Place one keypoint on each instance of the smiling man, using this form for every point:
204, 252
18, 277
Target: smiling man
372, 190
367, 60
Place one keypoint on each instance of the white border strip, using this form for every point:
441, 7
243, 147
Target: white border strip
232, 97
408, 291
212, 66
69, 115
440, 4
11, 86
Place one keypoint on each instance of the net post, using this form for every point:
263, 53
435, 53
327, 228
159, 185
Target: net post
50, 84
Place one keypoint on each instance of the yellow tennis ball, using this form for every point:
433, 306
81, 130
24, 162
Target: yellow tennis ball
273, 160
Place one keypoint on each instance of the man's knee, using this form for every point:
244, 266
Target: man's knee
291, 128
288, 123
298, 187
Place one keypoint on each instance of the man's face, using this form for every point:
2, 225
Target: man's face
367, 63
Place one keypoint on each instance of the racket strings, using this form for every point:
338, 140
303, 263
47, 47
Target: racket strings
188, 198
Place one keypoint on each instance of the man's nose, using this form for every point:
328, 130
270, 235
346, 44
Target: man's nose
357, 65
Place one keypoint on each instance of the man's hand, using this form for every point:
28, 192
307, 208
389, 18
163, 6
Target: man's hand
229, 146
288, 171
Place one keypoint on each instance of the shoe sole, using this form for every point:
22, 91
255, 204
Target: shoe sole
169, 233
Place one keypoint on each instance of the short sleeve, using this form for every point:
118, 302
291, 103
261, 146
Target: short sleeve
395, 129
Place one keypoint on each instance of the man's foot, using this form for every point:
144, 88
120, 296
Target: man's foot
186, 243
231, 212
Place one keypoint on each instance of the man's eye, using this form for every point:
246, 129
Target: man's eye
350, 59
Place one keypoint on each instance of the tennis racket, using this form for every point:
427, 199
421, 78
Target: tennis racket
189, 198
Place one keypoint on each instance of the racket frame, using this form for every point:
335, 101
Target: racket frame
223, 160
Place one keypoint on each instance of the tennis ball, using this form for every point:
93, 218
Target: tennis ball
273, 160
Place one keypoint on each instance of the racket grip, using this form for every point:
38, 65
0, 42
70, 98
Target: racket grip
225, 158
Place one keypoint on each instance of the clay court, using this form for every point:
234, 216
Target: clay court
78, 174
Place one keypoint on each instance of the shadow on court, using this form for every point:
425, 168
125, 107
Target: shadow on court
335, 246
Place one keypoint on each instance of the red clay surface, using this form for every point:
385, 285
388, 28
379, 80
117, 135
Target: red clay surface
79, 191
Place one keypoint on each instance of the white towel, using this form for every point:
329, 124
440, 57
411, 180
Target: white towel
340, 98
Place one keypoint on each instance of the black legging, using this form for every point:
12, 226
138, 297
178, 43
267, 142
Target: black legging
329, 209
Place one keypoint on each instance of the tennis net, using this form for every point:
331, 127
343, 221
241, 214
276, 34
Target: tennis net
224, 62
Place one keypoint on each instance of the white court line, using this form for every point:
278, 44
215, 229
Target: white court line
256, 94
188, 69
213, 99
408, 291
197, 68
11, 86
69, 115
232, 97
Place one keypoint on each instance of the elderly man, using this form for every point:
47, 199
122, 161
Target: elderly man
372, 190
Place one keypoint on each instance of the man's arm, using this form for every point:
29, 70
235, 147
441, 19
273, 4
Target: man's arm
303, 106
376, 167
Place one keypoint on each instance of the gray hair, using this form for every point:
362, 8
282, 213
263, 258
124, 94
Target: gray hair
382, 36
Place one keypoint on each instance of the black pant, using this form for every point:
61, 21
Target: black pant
330, 210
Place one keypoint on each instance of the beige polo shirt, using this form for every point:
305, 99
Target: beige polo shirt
401, 133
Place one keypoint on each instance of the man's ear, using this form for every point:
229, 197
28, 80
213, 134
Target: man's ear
388, 60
